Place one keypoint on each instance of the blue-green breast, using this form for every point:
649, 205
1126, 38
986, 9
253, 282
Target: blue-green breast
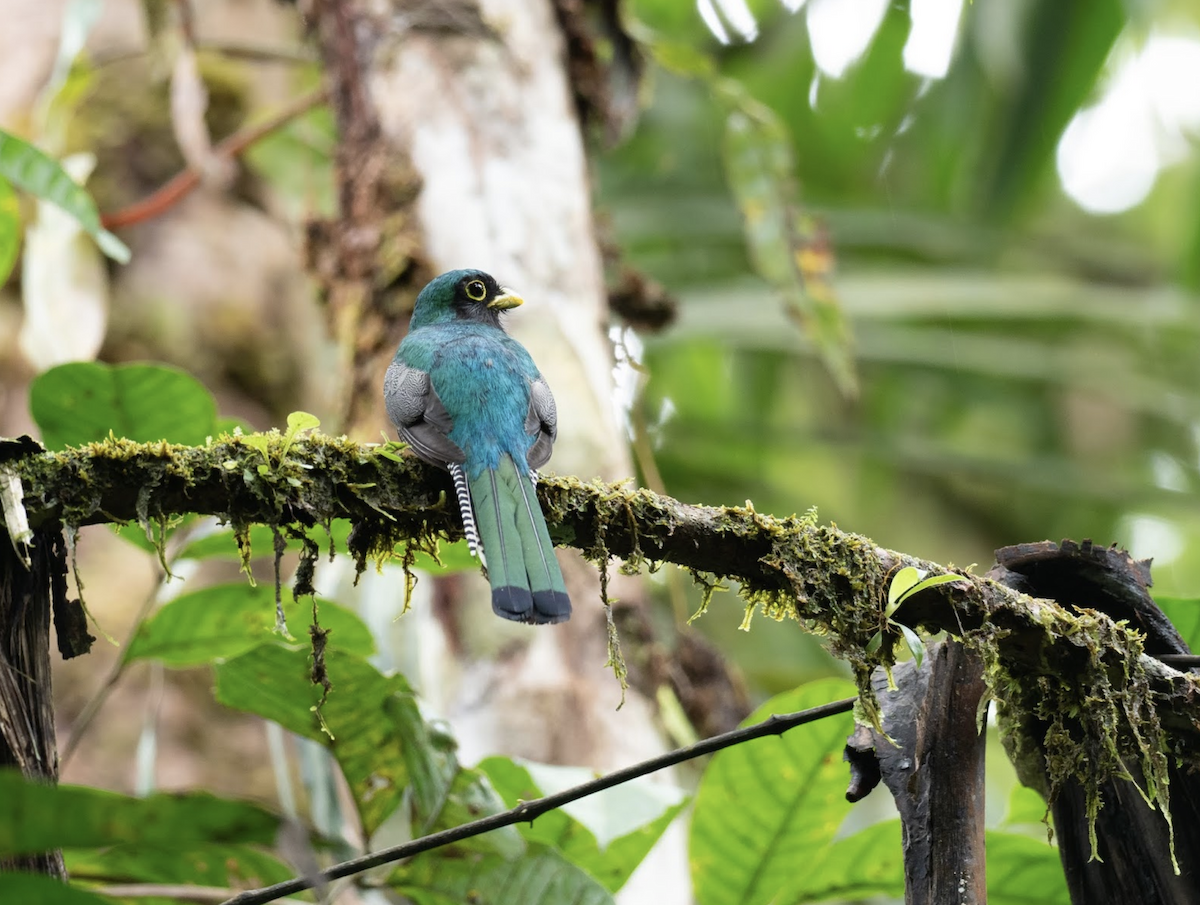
482, 376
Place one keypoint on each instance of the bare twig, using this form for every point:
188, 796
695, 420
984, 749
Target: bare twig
185, 182
80, 725
1179, 661
528, 811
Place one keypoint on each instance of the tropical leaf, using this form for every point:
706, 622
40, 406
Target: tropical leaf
540, 877
224, 621
30, 169
607, 834
84, 402
37, 818
369, 722
766, 806
38, 889
228, 866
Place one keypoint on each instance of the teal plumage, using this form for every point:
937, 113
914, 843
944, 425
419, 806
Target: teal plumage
467, 397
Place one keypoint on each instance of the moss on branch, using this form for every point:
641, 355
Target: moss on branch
1081, 672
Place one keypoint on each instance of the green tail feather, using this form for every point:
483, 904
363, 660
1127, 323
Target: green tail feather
527, 585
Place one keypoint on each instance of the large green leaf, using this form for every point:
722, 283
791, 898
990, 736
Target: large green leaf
10, 229
540, 877
607, 834
213, 864
1020, 870
471, 797
38, 818
83, 402
769, 805
378, 737
864, 865
38, 889
37, 173
223, 621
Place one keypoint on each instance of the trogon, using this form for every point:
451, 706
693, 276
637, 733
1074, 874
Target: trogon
467, 397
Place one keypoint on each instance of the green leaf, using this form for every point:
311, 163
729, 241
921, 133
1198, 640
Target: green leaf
83, 402
471, 797
875, 643
214, 864
300, 421
1021, 870
540, 877
902, 582
765, 807
37, 818
38, 889
379, 740
607, 834
226, 620
1184, 613
10, 229
915, 646
30, 169
788, 247
864, 865
932, 582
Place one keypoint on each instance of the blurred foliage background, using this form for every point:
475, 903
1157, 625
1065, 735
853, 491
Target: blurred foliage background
936, 266
1012, 195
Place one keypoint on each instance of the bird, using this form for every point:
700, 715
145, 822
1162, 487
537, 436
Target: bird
468, 398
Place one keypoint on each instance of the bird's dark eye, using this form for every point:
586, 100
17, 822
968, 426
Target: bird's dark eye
476, 291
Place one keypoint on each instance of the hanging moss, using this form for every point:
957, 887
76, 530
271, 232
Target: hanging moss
1080, 675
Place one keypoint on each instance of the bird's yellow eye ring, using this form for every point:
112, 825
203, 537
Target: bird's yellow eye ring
476, 291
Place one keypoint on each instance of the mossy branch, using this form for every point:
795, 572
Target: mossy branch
1040, 657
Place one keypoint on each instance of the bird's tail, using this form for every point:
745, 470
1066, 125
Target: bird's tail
527, 585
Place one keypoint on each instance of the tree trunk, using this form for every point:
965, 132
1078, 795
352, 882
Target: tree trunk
477, 98
932, 761
27, 739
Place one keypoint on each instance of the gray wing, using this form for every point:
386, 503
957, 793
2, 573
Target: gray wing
541, 420
419, 416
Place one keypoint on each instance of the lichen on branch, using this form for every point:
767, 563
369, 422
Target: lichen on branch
1041, 658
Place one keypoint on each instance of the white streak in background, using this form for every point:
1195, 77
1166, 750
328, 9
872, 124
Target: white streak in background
737, 13
65, 284
666, 412
841, 30
1168, 472
1150, 536
931, 42
627, 373
793, 6
1112, 152
814, 90
717, 13
712, 20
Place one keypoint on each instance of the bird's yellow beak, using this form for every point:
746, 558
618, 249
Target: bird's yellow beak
505, 300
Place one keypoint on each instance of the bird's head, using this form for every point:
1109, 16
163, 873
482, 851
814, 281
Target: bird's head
463, 295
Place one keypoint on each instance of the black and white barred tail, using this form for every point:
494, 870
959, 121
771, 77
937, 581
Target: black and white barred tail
468, 512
